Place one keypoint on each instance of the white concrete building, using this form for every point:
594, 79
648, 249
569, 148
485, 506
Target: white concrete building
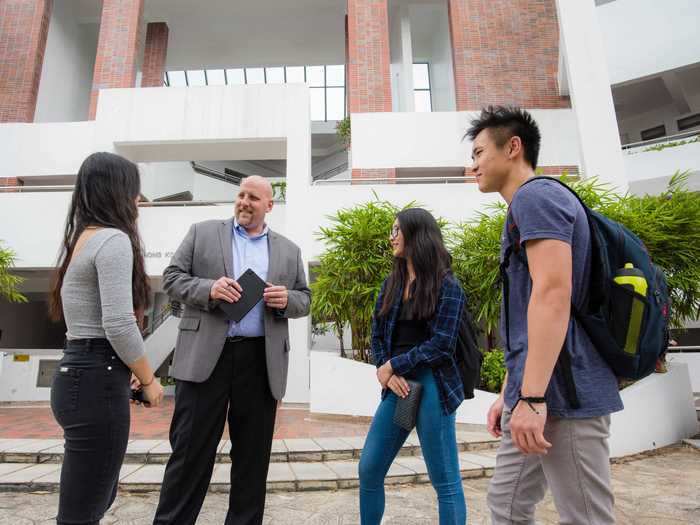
203, 93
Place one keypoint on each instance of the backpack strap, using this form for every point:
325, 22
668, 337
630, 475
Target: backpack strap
564, 358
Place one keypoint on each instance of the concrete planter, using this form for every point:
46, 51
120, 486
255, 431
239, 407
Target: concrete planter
347, 387
659, 410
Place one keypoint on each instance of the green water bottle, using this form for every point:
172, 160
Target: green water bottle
633, 278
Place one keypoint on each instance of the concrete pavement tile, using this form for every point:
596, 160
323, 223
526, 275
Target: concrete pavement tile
314, 476
278, 446
142, 446
280, 472
344, 469
7, 468
33, 446
128, 468
414, 463
221, 474
486, 462
28, 474
147, 475
356, 442
302, 445
162, 448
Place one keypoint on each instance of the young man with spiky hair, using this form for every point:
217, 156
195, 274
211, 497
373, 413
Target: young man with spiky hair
554, 409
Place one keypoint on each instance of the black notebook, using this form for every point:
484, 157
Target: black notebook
253, 287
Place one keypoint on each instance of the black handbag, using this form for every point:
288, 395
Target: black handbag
406, 410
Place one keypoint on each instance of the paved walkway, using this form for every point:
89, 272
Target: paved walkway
657, 490
35, 421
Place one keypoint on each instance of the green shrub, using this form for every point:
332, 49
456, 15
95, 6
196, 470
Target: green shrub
493, 371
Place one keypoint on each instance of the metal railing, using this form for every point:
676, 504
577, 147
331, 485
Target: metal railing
30, 189
662, 140
395, 180
683, 349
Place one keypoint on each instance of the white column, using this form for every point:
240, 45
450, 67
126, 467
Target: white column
406, 61
591, 97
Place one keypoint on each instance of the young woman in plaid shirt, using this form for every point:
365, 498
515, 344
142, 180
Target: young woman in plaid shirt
414, 333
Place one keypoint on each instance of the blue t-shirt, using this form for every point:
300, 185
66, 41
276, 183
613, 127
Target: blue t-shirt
545, 210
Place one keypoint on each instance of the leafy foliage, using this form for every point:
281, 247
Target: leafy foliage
351, 271
493, 371
9, 282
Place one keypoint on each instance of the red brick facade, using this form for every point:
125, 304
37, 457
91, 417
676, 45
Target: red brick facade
505, 52
117, 47
9, 181
24, 26
369, 62
155, 54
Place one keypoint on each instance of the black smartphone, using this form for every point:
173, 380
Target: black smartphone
137, 395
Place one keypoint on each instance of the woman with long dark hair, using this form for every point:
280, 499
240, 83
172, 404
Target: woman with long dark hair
100, 289
414, 333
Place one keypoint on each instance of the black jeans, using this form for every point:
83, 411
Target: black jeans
90, 400
238, 388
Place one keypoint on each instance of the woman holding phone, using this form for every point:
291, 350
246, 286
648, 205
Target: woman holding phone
100, 289
414, 333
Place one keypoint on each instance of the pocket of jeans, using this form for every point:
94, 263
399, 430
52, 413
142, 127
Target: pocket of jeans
65, 390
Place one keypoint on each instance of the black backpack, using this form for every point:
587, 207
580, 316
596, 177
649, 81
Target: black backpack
467, 354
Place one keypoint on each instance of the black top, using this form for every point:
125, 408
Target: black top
408, 332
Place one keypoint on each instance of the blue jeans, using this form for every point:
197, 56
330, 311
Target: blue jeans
436, 432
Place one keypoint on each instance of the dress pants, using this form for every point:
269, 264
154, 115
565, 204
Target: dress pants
237, 389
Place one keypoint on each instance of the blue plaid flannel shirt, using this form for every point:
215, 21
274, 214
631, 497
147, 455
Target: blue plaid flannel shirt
437, 352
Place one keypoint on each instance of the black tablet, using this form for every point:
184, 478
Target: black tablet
253, 287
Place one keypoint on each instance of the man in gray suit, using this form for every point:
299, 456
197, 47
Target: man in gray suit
227, 370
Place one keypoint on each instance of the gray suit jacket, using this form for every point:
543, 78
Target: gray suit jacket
204, 256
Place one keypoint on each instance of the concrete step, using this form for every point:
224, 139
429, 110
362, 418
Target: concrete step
282, 477
283, 450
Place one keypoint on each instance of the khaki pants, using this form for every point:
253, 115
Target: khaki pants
576, 469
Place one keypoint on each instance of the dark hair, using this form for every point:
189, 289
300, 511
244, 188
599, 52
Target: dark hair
505, 122
424, 246
105, 195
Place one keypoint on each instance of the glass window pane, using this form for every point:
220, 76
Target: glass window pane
422, 101
275, 75
235, 76
335, 75
255, 75
177, 78
215, 77
196, 78
421, 79
314, 76
295, 75
318, 100
336, 103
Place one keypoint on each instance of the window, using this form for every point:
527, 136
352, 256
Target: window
692, 121
326, 83
421, 88
196, 78
654, 133
216, 77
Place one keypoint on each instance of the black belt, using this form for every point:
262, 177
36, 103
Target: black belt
241, 339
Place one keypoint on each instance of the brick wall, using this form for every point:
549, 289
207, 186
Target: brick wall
9, 181
369, 62
24, 26
117, 47
505, 52
155, 54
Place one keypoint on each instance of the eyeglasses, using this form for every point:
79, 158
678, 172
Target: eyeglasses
395, 231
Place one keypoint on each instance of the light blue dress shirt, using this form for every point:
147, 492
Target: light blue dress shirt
249, 252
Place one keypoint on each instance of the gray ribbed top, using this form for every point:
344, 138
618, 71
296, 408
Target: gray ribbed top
96, 294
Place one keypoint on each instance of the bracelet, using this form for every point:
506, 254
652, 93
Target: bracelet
530, 400
153, 378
